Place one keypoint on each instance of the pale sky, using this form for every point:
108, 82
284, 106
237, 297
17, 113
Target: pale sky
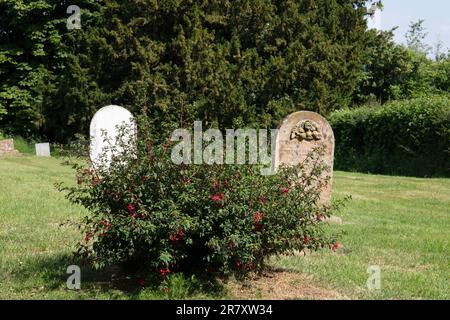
436, 14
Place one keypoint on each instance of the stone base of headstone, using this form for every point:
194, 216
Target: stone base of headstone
333, 220
7, 148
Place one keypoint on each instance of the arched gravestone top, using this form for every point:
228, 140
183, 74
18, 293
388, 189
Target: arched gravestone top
108, 119
298, 134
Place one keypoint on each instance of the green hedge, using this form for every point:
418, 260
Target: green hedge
409, 137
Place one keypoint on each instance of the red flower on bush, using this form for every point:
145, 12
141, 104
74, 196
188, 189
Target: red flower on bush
284, 190
258, 216
106, 224
217, 197
88, 236
175, 237
238, 264
164, 272
131, 208
167, 290
306, 239
335, 246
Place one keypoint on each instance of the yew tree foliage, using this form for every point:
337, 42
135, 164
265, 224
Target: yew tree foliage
226, 62
147, 212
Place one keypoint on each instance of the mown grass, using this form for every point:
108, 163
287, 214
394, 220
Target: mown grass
400, 224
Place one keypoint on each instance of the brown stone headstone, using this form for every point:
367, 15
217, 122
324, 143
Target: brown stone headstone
7, 147
298, 134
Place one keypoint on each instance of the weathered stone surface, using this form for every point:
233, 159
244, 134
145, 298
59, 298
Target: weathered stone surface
333, 220
108, 119
298, 134
7, 148
42, 149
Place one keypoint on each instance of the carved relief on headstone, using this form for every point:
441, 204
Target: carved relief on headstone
306, 130
298, 135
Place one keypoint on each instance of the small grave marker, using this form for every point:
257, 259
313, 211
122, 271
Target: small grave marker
42, 149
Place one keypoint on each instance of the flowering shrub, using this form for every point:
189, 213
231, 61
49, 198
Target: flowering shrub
220, 219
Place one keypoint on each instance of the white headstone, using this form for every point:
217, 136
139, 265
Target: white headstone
42, 149
107, 121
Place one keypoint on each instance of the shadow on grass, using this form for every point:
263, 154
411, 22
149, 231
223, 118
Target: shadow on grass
115, 281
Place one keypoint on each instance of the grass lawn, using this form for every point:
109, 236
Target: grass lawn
400, 224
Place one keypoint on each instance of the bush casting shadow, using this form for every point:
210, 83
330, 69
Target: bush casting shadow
52, 269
